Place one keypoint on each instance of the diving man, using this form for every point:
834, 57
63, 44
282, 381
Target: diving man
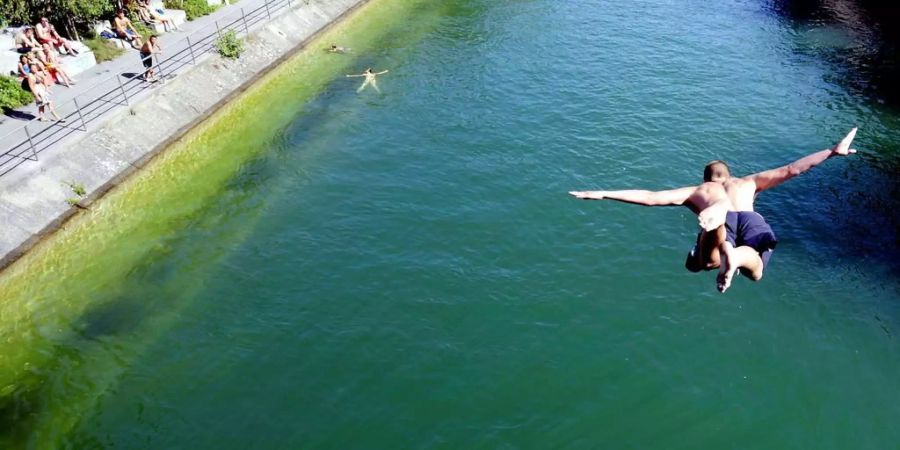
734, 236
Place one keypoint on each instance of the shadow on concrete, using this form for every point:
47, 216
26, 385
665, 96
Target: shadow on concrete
20, 115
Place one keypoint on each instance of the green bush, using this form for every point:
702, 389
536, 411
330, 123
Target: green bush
103, 49
11, 93
229, 45
192, 8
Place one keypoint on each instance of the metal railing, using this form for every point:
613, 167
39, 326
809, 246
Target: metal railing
122, 89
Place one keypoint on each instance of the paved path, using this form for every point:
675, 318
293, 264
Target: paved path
100, 78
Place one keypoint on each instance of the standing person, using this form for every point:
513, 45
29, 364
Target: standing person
734, 236
25, 41
370, 79
46, 34
41, 94
150, 48
51, 62
125, 30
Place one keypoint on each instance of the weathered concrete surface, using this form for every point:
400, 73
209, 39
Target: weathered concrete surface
33, 202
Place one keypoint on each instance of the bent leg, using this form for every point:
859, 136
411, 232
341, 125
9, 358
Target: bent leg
705, 255
744, 258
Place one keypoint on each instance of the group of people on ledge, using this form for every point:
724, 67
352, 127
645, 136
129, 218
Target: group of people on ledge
39, 64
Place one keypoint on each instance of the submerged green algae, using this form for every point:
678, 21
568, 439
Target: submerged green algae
63, 303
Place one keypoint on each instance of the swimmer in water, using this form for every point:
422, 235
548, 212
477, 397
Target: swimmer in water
733, 236
335, 49
370, 79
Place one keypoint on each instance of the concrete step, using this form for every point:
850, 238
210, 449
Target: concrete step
74, 65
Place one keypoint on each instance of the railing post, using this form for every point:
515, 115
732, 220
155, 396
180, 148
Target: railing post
191, 49
218, 32
244, 19
30, 142
124, 94
158, 66
267, 9
80, 116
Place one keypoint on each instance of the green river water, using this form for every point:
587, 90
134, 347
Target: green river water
317, 268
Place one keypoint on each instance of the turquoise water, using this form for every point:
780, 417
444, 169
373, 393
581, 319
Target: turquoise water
405, 269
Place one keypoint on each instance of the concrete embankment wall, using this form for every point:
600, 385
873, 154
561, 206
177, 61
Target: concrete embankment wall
33, 201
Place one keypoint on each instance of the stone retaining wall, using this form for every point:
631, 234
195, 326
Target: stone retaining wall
33, 202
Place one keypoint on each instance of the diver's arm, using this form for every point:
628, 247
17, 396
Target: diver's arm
773, 177
672, 197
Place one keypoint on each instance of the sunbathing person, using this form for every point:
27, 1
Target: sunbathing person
370, 79
24, 66
46, 34
51, 62
150, 16
125, 30
734, 237
25, 41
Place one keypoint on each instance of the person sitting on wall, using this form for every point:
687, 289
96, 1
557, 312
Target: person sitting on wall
151, 16
125, 30
24, 66
51, 62
25, 41
46, 34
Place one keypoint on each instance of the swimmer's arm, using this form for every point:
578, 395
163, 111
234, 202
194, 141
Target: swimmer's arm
354, 76
771, 178
673, 197
382, 72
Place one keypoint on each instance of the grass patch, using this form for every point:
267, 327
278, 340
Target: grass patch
103, 49
11, 93
192, 8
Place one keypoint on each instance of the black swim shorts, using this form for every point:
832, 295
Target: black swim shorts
750, 228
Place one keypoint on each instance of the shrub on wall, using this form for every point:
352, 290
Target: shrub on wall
192, 8
11, 93
103, 49
229, 45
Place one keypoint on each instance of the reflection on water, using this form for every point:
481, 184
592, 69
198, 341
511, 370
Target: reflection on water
857, 36
859, 41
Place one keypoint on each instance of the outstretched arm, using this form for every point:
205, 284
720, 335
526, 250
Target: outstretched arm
382, 72
774, 177
673, 197
354, 76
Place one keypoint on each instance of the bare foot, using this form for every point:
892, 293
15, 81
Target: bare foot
726, 270
713, 217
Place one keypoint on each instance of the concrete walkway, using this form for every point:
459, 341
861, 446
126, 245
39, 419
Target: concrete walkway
33, 196
100, 78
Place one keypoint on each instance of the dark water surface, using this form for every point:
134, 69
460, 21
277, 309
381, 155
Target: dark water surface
405, 269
